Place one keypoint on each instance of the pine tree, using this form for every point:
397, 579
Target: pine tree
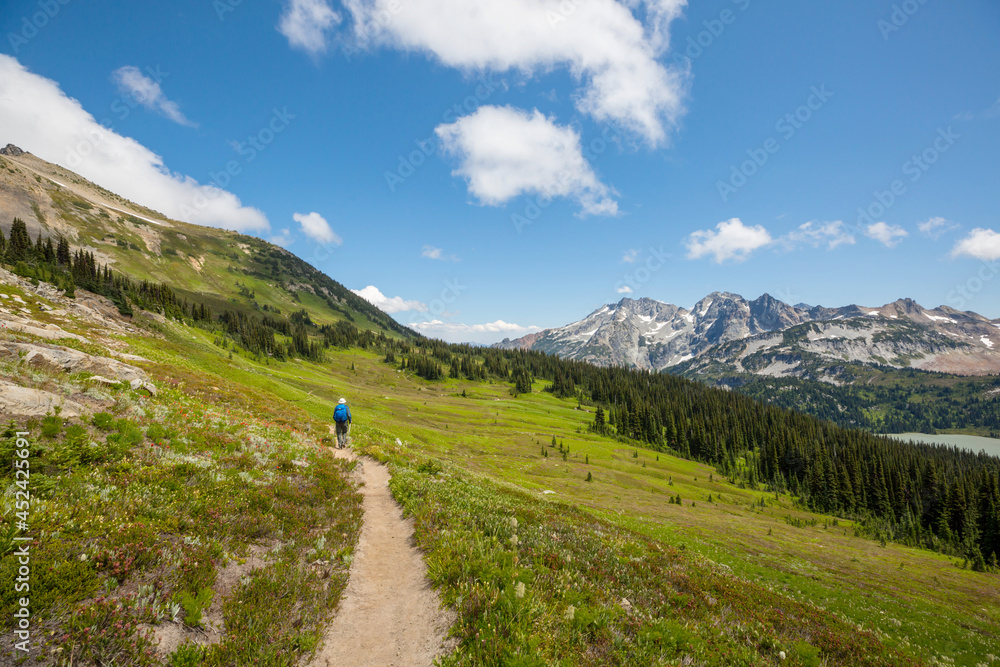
19, 246
62, 252
599, 425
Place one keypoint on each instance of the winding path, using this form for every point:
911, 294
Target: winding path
390, 615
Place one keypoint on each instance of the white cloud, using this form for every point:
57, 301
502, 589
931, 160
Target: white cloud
430, 252
317, 228
457, 332
148, 93
630, 256
305, 24
935, 228
981, 244
624, 289
602, 44
284, 239
990, 112
733, 240
389, 304
505, 153
886, 234
37, 116
815, 234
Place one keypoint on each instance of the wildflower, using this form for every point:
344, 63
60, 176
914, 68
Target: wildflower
513, 522
781, 655
519, 590
513, 540
570, 613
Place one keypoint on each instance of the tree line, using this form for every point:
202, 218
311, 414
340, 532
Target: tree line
941, 498
937, 497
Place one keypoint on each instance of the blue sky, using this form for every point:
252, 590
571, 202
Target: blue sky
521, 165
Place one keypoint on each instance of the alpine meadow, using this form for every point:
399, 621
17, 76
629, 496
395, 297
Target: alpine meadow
296, 365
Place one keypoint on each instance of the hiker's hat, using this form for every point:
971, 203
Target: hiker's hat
342, 401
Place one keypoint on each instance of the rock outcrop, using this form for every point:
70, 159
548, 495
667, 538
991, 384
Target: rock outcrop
73, 361
18, 400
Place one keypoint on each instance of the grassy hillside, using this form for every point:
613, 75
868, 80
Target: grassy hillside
543, 566
223, 269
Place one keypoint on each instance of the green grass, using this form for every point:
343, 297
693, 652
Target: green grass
137, 509
723, 582
917, 601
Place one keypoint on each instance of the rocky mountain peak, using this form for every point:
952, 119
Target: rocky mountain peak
651, 334
908, 306
10, 150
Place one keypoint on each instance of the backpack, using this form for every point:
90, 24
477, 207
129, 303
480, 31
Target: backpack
340, 413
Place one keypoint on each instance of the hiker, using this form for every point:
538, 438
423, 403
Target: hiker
342, 419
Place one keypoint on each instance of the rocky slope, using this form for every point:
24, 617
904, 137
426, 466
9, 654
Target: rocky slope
727, 334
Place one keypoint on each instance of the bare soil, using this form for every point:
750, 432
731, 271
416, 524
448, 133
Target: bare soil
390, 615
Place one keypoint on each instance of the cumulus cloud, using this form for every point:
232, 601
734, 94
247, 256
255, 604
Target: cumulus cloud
732, 240
305, 23
505, 152
886, 234
317, 228
630, 256
389, 304
935, 228
602, 44
625, 289
983, 244
39, 117
430, 252
147, 92
815, 234
457, 332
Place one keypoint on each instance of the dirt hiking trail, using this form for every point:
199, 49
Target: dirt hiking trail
390, 615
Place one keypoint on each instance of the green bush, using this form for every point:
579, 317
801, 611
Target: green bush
193, 605
806, 654
157, 432
187, 654
51, 426
103, 421
131, 435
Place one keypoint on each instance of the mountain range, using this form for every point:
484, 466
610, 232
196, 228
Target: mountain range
725, 333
